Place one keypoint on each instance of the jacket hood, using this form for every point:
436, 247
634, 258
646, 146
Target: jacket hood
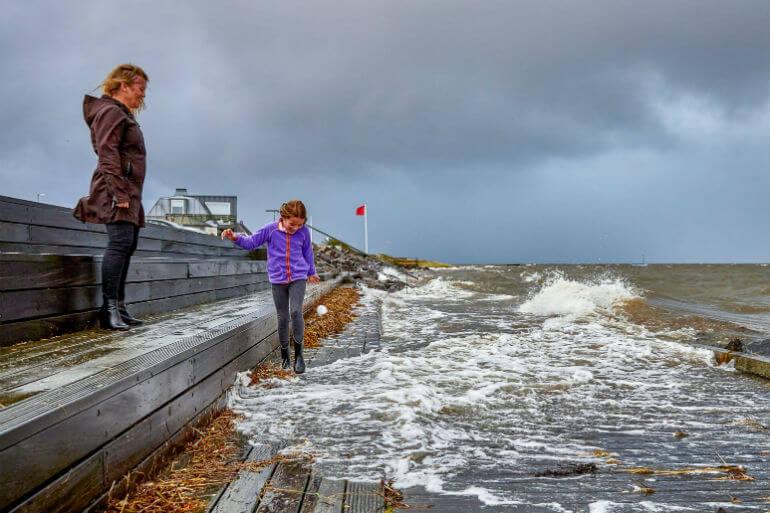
93, 106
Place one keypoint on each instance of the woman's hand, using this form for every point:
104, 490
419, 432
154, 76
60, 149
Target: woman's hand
314, 279
122, 205
229, 234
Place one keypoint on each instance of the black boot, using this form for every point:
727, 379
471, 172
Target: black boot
285, 360
127, 317
110, 316
299, 361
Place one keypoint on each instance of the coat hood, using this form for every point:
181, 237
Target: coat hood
92, 106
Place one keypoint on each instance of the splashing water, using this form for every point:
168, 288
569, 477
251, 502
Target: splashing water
468, 393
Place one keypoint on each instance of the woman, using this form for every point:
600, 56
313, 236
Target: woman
115, 198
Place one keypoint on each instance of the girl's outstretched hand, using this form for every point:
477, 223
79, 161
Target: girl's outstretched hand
228, 234
314, 279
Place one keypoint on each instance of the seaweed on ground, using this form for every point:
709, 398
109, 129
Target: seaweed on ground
209, 461
339, 303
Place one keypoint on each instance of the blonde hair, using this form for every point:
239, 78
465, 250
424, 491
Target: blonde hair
123, 74
293, 208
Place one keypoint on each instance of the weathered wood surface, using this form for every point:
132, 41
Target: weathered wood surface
37, 224
365, 497
284, 492
244, 492
46, 295
121, 413
57, 287
293, 488
331, 496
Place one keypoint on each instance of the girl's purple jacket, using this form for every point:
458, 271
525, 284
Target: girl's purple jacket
289, 257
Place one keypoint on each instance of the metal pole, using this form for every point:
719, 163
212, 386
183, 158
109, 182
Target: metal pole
366, 229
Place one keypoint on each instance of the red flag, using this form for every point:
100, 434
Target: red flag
361, 210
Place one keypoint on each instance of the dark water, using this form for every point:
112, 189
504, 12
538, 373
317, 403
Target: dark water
489, 375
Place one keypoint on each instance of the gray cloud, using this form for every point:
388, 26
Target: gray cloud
425, 105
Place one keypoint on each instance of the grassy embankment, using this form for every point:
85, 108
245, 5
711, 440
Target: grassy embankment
391, 260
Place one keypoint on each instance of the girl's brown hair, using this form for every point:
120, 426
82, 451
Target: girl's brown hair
293, 208
123, 74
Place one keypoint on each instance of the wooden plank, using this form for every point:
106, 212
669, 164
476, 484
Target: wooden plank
365, 498
242, 495
37, 329
70, 492
331, 493
56, 249
59, 236
53, 272
29, 304
225, 267
283, 494
18, 305
310, 499
193, 249
14, 232
18, 211
243, 338
41, 214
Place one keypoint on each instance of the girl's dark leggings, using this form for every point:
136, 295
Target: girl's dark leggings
288, 298
123, 237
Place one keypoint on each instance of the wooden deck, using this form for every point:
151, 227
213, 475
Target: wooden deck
91, 408
50, 271
293, 487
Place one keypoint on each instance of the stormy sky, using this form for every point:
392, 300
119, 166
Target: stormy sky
492, 131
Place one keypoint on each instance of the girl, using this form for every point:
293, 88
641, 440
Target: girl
289, 266
115, 198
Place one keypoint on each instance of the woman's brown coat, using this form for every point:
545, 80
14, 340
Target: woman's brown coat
119, 175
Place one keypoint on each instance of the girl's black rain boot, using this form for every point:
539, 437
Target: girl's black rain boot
285, 360
299, 361
111, 316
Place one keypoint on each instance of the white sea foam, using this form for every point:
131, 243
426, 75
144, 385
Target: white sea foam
561, 296
391, 273
601, 507
528, 277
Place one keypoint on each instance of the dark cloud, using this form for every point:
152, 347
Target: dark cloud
417, 106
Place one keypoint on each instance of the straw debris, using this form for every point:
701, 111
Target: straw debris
264, 374
186, 484
340, 303
394, 498
730, 472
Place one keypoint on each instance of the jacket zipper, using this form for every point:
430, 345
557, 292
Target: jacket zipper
288, 265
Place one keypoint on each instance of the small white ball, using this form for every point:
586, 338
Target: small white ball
321, 310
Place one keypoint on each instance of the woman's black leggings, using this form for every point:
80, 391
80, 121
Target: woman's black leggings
288, 298
123, 237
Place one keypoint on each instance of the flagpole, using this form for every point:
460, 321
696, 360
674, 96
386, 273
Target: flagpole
366, 229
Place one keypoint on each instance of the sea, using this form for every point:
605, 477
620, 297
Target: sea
489, 376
